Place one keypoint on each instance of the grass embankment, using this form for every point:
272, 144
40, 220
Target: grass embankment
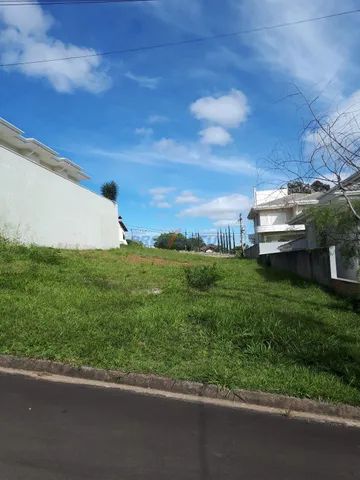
257, 329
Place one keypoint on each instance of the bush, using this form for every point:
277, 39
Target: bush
202, 277
135, 243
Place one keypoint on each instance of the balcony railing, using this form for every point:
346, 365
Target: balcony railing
279, 228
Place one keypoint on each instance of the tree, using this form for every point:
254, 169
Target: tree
319, 186
110, 190
298, 186
329, 154
171, 241
195, 243
329, 149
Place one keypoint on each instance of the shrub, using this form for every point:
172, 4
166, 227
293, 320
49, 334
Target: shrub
135, 243
202, 277
110, 190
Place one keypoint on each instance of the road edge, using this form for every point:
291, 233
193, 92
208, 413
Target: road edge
183, 390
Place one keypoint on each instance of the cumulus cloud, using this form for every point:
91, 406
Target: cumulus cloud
215, 136
220, 210
145, 82
227, 110
186, 196
24, 37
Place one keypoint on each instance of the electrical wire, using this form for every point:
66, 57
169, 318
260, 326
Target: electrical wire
185, 42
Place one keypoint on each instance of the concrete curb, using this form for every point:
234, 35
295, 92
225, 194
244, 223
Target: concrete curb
153, 382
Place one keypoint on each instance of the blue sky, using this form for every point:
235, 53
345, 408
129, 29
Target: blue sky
184, 131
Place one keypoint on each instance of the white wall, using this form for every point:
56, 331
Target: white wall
39, 206
274, 217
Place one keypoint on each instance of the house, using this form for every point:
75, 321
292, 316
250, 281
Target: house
285, 238
271, 214
43, 202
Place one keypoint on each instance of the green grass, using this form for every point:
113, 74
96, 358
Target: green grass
256, 329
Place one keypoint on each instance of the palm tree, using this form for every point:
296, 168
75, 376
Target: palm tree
110, 190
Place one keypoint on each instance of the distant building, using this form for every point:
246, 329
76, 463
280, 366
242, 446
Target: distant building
42, 201
123, 229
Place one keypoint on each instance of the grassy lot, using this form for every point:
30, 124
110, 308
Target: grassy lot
256, 329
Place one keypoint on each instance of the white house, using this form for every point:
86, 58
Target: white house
271, 214
42, 201
285, 238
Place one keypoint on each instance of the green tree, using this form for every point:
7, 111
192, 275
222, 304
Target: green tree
195, 243
110, 190
336, 224
171, 241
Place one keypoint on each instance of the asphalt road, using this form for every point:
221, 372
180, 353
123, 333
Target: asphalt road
57, 431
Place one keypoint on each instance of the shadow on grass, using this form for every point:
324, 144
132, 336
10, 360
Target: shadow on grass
315, 344
271, 274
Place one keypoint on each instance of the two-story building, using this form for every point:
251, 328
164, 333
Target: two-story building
285, 237
271, 213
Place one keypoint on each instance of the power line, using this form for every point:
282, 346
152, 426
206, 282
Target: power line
185, 42
22, 3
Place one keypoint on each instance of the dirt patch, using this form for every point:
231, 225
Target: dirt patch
137, 259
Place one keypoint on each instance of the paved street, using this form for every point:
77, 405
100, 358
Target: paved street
54, 431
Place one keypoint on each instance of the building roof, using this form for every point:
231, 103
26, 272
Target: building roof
122, 224
12, 137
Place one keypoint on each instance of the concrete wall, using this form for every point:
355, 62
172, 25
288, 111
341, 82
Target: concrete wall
270, 247
346, 269
252, 252
312, 265
38, 206
315, 265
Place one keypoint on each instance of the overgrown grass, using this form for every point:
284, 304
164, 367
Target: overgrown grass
257, 328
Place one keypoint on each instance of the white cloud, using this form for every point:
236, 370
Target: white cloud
146, 82
221, 210
313, 54
160, 204
144, 131
168, 151
157, 119
161, 190
227, 110
159, 197
184, 15
187, 197
25, 38
215, 136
